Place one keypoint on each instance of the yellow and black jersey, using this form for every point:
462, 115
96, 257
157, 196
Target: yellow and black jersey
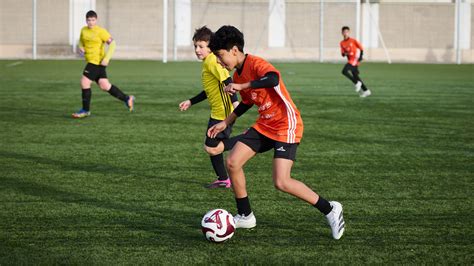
94, 40
213, 76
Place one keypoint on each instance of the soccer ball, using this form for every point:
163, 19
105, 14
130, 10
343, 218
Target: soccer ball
218, 225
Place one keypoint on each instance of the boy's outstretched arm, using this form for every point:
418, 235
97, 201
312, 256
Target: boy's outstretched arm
184, 105
110, 52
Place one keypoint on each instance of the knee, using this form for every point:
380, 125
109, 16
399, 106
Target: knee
85, 83
212, 150
105, 86
345, 72
281, 185
232, 164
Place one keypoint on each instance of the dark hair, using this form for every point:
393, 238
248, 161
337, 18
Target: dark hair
345, 28
202, 34
91, 14
227, 37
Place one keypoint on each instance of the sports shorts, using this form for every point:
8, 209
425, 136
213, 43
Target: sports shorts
260, 143
94, 72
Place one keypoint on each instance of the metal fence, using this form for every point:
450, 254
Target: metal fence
437, 31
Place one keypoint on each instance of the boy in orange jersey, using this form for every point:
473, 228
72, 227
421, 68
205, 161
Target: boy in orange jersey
92, 46
278, 127
354, 52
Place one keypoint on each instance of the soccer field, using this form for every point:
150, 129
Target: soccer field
127, 188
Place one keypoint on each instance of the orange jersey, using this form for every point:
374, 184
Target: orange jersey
351, 47
279, 119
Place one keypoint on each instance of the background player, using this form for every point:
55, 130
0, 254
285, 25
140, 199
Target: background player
354, 52
278, 127
213, 77
92, 46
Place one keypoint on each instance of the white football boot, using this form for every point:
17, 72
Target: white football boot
358, 86
366, 93
242, 221
336, 220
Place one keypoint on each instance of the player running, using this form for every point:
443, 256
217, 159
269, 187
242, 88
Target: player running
92, 46
279, 127
354, 52
214, 77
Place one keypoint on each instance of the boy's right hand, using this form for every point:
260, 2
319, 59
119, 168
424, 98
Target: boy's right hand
184, 105
216, 129
81, 51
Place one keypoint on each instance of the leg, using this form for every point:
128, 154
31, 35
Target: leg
86, 93
284, 182
86, 98
237, 158
345, 72
355, 74
215, 148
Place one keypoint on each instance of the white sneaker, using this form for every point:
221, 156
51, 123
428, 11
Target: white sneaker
242, 221
366, 93
357, 86
336, 220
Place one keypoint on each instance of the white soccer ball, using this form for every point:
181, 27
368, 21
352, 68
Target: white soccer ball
218, 225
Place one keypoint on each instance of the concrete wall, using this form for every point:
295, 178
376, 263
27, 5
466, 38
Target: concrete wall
413, 32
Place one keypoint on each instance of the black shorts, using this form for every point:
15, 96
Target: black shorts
221, 136
94, 72
260, 143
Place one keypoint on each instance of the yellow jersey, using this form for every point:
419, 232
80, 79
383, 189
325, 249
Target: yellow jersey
213, 76
93, 40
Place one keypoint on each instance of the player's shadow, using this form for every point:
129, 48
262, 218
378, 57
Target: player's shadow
165, 223
93, 167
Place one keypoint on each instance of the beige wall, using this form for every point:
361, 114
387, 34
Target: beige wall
417, 32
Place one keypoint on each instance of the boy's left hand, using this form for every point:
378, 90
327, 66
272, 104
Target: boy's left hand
233, 88
104, 63
216, 129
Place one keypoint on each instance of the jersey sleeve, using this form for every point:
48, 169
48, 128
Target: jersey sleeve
358, 45
342, 48
105, 35
262, 67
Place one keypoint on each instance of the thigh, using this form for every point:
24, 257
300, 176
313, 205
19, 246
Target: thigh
85, 82
92, 72
240, 154
256, 141
355, 70
285, 150
346, 68
213, 142
281, 169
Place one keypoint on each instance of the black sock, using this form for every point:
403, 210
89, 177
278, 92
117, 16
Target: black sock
243, 206
323, 206
117, 93
86, 99
218, 165
364, 88
230, 143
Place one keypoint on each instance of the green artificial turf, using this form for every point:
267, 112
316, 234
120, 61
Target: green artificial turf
127, 188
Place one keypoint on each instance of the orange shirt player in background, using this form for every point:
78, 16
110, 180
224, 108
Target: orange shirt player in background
279, 127
354, 52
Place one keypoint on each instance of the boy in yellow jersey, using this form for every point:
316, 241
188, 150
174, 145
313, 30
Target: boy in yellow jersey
92, 46
214, 77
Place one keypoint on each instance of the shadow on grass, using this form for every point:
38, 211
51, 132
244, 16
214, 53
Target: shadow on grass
164, 222
91, 167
